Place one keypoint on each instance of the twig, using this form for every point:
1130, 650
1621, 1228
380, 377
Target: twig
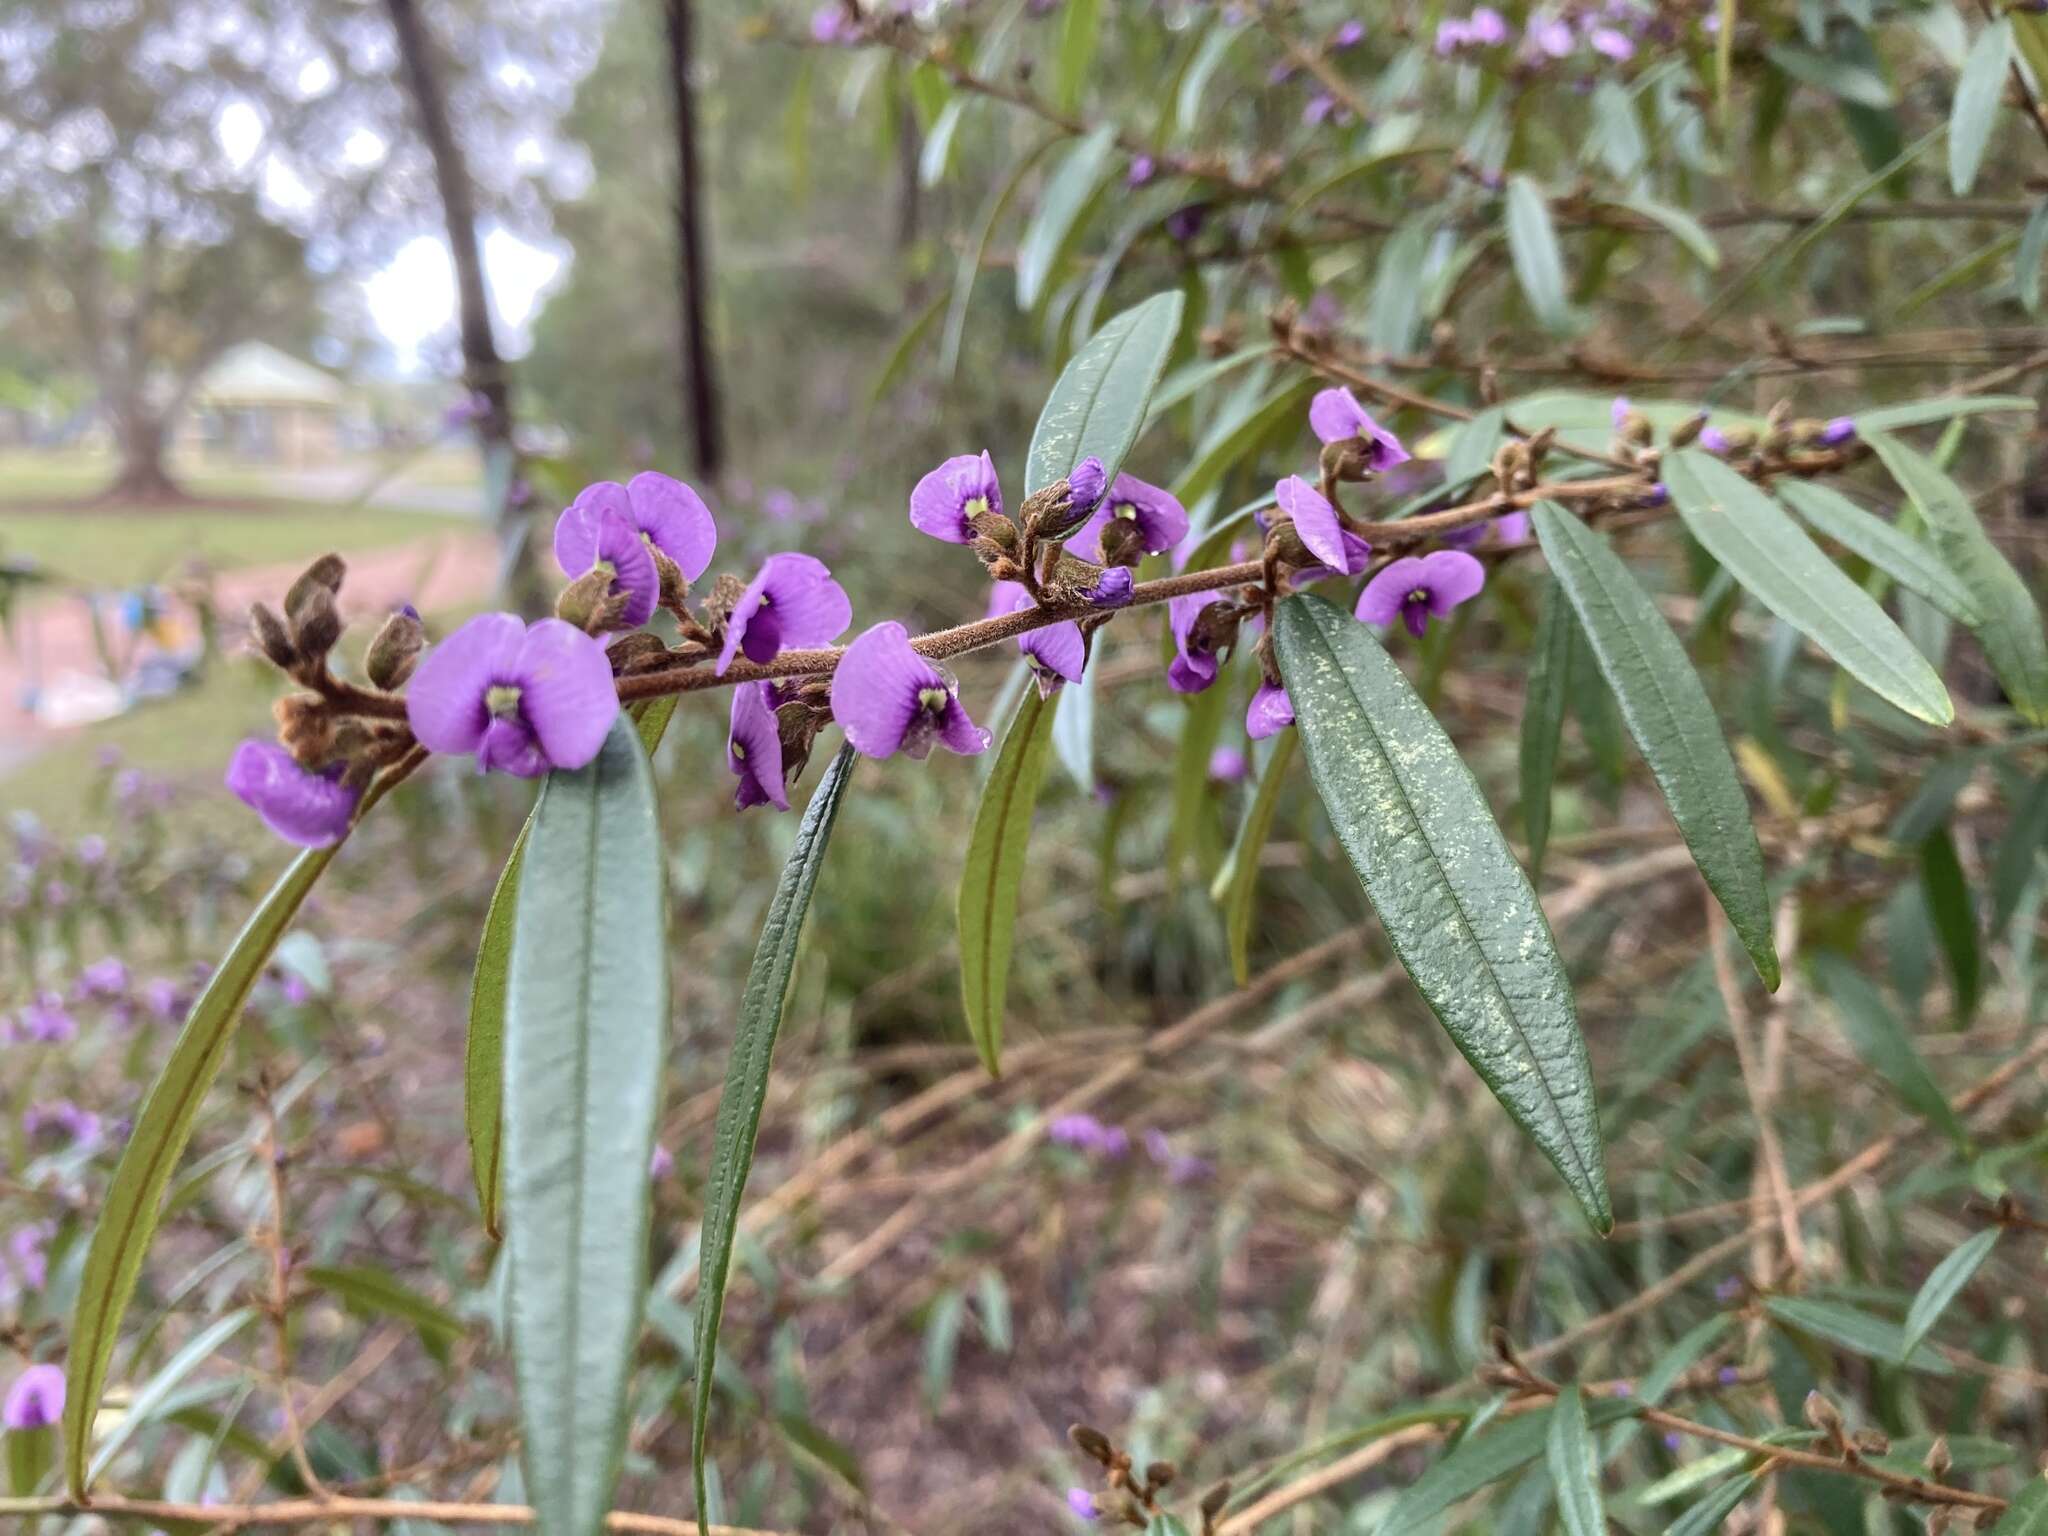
244, 1517
1772, 1177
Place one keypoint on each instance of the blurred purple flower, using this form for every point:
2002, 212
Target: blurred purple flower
1489, 27
91, 849
1320, 109
1142, 169
36, 1400
947, 500
523, 699
1349, 35
1727, 1376
26, 1252
1548, 36
1839, 430
162, 997
889, 699
660, 1162
1613, 44
1415, 590
1618, 412
291, 986
779, 504
753, 748
1227, 765
1270, 712
1087, 1134
60, 1121
831, 25
1452, 33
1673, 1440
792, 602
107, 977
1186, 221
1713, 439
1081, 1504
1056, 653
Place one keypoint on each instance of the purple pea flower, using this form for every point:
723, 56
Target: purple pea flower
1085, 486
103, 978
1416, 589
1488, 28
1319, 109
523, 699
1142, 169
91, 849
162, 997
1613, 44
1321, 532
1056, 653
753, 748
48, 1021
666, 513
1113, 588
36, 1400
1618, 412
947, 500
1349, 35
1727, 1376
1452, 33
312, 810
1270, 712
660, 1162
1185, 222
793, 601
1839, 430
831, 25
293, 989
591, 535
889, 699
1336, 416
1087, 1134
1226, 766
26, 1249
60, 1120
1194, 664
1713, 439
1081, 1504
1134, 513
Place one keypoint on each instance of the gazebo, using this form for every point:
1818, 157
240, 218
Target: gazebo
260, 404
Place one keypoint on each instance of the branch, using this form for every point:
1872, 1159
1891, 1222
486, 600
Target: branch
246, 1517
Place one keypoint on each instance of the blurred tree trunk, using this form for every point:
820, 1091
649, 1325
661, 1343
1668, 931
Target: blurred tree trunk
483, 369
693, 275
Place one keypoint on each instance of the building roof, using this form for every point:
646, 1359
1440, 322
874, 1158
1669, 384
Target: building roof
256, 373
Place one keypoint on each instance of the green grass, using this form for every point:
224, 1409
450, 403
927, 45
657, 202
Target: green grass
119, 546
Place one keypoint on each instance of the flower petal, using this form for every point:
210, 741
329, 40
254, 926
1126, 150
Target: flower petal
1380, 602
753, 749
509, 747
875, 689
1319, 528
1271, 712
445, 701
1335, 415
576, 529
676, 519
619, 542
959, 734
938, 503
566, 695
308, 809
1058, 649
1451, 576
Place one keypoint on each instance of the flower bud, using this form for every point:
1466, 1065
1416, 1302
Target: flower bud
589, 603
1686, 431
1092, 1443
271, 638
1938, 1458
322, 576
675, 586
395, 648
797, 723
1825, 1417
1159, 1474
305, 727
316, 624
638, 652
1214, 1500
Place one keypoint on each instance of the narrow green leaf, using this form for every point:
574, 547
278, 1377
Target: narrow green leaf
1672, 720
1543, 706
1707, 1516
586, 1022
2011, 627
1921, 413
1478, 1461
31, 1453
1187, 107
1943, 1284
1768, 553
1839, 77
1617, 136
746, 1082
975, 252
1882, 1043
1185, 383
2027, 1515
1574, 1468
1201, 726
942, 1345
1899, 555
128, 1218
1068, 191
1954, 914
1079, 26
1237, 883
483, 1059
1532, 247
1692, 1476
937, 153
1393, 313
994, 873
1235, 439
1099, 403
2026, 261
372, 1290
2019, 852
1474, 444
1073, 729
1681, 226
1980, 93
150, 1398
1858, 1332
1455, 906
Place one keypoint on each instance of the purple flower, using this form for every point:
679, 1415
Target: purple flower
1336, 416
660, 1162
1193, 667
293, 989
26, 1249
162, 998
1713, 439
1673, 1440
1319, 528
1452, 33
1137, 518
1614, 44
666, 513
1618, 413
103, 978
312, 810
1508, 528
947, 500
36, 1400
793, 601
1185, 222
524, 700
1112, 588
1727, 1376
753, 748
60, 1120
1349, 35
1839, 430
1143, 168
1657, 495
1489, 29
1085, 485
1081, 1504
92, 848
1226, 766
1055, 653
889, 699
1319, 109
830, 24
591, 535
1624, 1389
1271, 712
1550, 36
1413, 590
47, 1020
1727, 1288
1088, 1134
